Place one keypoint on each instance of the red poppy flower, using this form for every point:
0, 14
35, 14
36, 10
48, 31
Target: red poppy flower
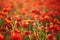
47, 30
17, 23
30, 21
42, 27
58, 28
18, 17
7, 22
49, 37
1, 37
56, 21
51, 26
36, 11
15, 36
24, 23
16, 30
2, 29
26, 33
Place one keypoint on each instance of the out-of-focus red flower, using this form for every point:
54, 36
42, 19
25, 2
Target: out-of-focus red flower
45, 16
1, 37
54, 31
58, 28
41, 18
3, 13
5, 10
56, 21
33, 16
16, 30
47, 30
2, 29
16, 36
18, 17
8, 19
42, 27
24, 23
7, 22
51, 26
30, 21
26, 32
49, 37
56, 14
17, 23
8, 32
36, 11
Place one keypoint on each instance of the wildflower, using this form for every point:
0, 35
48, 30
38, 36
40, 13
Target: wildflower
49, 37
26, 32
7, 22
51, 26
58, 28
36, 12
2, 29
17, 23
47, 30
15, 36
24, 23
1, 37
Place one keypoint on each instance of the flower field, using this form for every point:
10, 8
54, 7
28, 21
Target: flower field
29, 19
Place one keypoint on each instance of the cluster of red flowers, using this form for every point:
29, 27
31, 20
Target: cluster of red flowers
29, 19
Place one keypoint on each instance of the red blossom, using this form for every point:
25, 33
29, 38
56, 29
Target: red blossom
36, 11
1, 37
47, 30
2, 29
26, 32
17, 23
16, 30
51, 26
24, 23
16, 36
49, 37
58, 28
